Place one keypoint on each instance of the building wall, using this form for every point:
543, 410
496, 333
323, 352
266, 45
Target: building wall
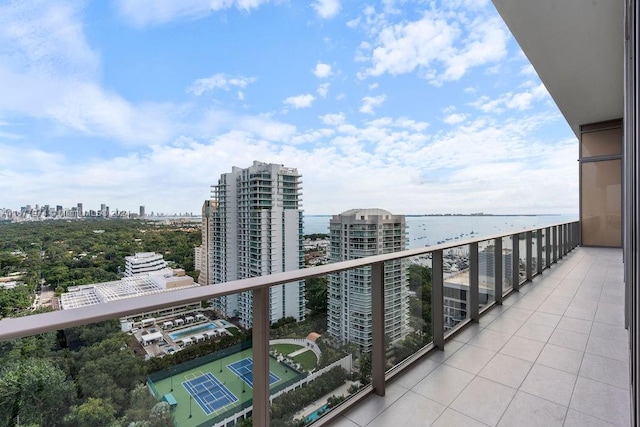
143, 262
257, 230
356, 234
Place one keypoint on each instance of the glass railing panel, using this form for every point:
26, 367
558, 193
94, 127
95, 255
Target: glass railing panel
507, 264
159, 366
456, 282
534, 253
523, 257
486, 272
328, 353
408, 325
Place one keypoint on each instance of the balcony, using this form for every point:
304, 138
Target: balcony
556, 353
552, 348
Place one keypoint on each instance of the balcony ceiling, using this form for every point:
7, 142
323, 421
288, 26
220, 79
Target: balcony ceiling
576, 47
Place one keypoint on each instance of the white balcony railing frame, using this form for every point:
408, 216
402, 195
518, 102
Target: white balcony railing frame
559, 239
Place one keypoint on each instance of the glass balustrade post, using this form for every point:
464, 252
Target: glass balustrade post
529, 244
555, 244
437, 299
547, 236
498, 270
474, 288
515, 261
560, 241
539, 251
378, 361
261, 357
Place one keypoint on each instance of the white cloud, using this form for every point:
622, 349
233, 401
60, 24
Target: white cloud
373, 86
440, 46
300, 101
142, 13
219, 81
326, 9
333, 119
371, 102
454, 118
522, 100
323, 90
49, 72
322, 71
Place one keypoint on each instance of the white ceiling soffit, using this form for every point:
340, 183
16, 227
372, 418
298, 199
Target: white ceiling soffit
576, 47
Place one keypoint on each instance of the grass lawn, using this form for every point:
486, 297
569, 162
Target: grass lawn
308, 360
286, 348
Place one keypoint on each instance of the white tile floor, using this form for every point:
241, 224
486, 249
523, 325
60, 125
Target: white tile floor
555, 354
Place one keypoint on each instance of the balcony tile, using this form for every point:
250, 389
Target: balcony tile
412, 410
550, 384
484, 400
443, 384
470, 358
575, 325
468, 333
603, 330
535, 332
601, 401
507, 325
417, 373
562, 358
454, 418
545, 319
579, 419
612, 314
343, 422
608, 371
608, 348
490, 340
518, 313
506, 370
526, 410
569, 339
368, 410
523, 348
450, 348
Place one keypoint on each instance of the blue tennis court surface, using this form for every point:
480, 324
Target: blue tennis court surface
244, 369
210, 394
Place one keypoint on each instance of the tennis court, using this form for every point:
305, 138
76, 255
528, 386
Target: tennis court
209, 393
201, 400
244, 369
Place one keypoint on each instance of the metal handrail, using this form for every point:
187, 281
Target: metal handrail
565, 238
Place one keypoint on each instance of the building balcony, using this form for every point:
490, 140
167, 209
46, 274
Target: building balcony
552, 350
554, 353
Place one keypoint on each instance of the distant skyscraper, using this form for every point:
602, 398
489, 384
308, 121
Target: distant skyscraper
80, 211
141, 211
203, 253
257, 230
359, 233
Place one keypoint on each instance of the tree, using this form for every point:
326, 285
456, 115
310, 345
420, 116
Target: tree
35, 391
94, 412
316, 292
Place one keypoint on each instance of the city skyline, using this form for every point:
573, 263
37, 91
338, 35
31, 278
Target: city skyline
149, 103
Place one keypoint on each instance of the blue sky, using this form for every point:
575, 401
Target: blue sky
410, 106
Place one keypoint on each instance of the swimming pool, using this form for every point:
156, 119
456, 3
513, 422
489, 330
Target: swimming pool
192, 331
317, 413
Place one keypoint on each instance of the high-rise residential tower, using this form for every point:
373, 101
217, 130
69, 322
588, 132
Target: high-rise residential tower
359, 233
257, 230
203, 254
